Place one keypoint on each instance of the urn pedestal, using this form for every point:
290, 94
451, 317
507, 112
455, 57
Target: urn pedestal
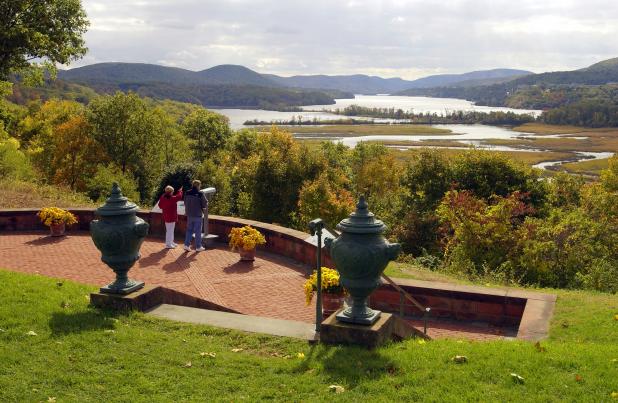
361, 254
119, 234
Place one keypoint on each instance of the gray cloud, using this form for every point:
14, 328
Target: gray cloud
383, 37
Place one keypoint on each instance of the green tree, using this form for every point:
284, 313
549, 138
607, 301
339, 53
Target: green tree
132, 135
208, 131
48, 30
99, 186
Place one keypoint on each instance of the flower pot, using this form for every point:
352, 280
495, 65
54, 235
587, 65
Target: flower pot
57, 229
247, 255
331, 303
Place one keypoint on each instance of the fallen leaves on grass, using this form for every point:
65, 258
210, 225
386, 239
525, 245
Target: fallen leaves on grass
59, 283
614, 395
517, 378
300, 355
31, 333
64, 305
238, 350
336, 388
110, 331
51, 399
211, 355
578, 378
616, 317
460, 359
188, 365
421, 341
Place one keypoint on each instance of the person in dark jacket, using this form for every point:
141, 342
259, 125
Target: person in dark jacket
167, 204
195, 204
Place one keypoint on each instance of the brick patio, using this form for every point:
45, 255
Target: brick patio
269, 287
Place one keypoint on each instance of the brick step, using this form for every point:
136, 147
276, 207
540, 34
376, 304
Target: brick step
227, 320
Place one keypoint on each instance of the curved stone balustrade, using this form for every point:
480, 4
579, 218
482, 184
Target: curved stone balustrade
279, 240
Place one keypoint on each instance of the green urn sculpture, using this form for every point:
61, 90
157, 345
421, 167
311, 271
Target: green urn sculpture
118, 234
361, 254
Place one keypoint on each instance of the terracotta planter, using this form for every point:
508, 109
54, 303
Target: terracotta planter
247, 255
57, 229
331, 303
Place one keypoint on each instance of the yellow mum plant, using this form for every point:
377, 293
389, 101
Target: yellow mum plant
245, 238
54, 215
330, 283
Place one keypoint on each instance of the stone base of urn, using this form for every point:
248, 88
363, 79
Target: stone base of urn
141, 300
122, 288
333, 331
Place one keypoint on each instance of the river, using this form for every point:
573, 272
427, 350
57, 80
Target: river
466, 134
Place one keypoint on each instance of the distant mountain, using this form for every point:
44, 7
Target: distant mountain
542, 90
482, 77
234, 74
200, 86
358, 83
219, 86
362, 84
129, 72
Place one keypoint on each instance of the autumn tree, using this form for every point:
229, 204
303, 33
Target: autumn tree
76, 154
325, 199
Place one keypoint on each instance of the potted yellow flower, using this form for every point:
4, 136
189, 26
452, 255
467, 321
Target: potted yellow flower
56, 219
244, 240
333, 292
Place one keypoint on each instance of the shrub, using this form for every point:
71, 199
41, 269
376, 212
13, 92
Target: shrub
14, 163
100, 185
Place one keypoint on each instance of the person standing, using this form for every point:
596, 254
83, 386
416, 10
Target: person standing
167, 204
195, 203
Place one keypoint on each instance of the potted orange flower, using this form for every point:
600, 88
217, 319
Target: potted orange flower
56, 219
245, 240
333, 292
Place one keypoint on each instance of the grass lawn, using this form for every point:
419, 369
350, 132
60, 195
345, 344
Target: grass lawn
82, 354
359, 130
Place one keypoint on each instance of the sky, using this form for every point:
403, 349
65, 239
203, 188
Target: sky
388, 38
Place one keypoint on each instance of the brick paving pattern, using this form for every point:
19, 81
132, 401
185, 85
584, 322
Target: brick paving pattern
269, 287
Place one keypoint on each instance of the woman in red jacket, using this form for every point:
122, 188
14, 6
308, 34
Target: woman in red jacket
167, 204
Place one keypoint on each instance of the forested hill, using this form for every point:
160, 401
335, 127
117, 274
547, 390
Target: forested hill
545, 90
362, 84
225, 85
110, 74
141, 73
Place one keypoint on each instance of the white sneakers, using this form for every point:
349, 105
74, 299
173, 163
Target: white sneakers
172, 246
188, 249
